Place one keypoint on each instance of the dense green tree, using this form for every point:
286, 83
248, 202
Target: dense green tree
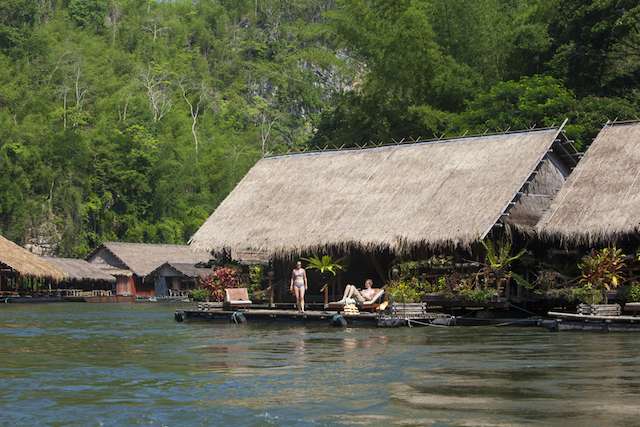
500, 40
532, 101
406, 83
132, 119
88, 13
17, 19
596, 45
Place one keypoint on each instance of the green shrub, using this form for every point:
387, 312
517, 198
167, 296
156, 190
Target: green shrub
256, 274
407, 290
199, 295
480, 296
630, 292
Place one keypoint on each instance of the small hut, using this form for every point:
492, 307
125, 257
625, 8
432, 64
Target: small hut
131, 263
82, 275
18, 265
600, 203
176, 278
397, 198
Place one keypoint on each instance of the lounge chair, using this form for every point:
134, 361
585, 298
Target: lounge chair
235, 298
366, 306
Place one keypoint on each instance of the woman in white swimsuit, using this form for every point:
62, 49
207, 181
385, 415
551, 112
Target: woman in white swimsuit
299, 285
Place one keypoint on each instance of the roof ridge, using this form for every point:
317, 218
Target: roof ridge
418, 141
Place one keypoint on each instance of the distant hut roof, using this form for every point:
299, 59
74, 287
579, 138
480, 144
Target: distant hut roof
600, 201
183, 269
141, 258
27, 264
395, 197
79, 269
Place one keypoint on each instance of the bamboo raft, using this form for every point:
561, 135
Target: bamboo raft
604, 317
394, 316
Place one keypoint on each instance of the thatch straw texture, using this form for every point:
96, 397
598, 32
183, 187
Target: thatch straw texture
79, 269
188, 270
27, 264
395, 197
600, 201
141, 258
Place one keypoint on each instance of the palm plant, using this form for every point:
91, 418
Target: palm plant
499, 260
326, 264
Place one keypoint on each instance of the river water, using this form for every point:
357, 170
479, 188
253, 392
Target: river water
75, 364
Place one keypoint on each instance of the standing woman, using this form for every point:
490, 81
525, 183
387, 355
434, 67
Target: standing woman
299, 285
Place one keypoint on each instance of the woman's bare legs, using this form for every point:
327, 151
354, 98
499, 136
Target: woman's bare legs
299, 290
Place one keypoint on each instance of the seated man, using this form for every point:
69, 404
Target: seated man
360, 296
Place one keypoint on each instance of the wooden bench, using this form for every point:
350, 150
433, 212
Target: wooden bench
408, 310
600, 309
633, 307
236, 298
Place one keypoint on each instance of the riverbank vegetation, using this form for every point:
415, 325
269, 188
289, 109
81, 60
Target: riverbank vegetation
505, 276
131, 120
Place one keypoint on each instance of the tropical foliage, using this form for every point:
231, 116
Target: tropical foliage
408, 290
131, 120
499, 259
215, 284
325, 264
601, 272
256, 274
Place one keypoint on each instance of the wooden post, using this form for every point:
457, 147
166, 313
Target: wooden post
326, 294
325, 289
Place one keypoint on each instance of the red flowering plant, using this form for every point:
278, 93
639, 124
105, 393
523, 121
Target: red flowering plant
601, 271
221, 279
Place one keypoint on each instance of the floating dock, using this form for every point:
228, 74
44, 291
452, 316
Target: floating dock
399, 315
591, 322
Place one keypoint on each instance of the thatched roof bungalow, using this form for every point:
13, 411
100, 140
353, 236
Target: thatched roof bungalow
394, 198
600, 203
80, 270
19, 262
176, 278
132, 262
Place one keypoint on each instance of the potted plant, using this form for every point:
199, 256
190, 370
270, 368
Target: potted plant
256, 275
497, 270
601, 271
326, 265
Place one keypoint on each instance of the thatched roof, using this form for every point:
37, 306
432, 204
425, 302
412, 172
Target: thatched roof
249, 257
396, 197
601, 200
184, 269
140, 258
27, 264
79, 269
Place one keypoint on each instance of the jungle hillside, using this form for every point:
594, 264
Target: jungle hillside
131, 120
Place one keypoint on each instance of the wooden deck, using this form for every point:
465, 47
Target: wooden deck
592, 322
276, 316
400, 316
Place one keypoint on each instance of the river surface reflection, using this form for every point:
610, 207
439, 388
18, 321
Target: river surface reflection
77, 364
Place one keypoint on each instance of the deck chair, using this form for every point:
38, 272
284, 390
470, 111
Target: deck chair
366, 306
235, 298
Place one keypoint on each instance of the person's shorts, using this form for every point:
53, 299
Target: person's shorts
359, 299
